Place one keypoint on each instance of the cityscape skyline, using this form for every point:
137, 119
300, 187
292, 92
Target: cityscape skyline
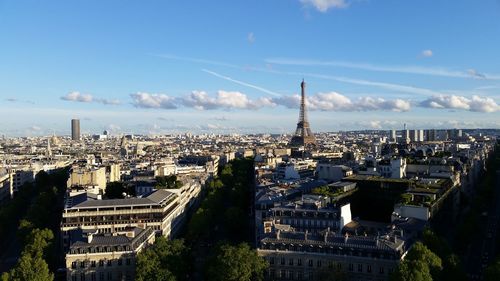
228, 72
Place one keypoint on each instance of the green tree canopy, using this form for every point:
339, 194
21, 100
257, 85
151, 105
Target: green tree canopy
492, 272
420, 264
168, 182
166, 260
409, 270
115, 190
31, 264
236, 263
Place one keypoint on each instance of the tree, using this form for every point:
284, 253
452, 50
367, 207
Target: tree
31, 264
235, 221
166, 260
236, 263
23, 231
33, 268
453, 270
168, 182
173, 255
199, 224
215, 184
38, 241
115, 190
409, 270
419, 252
420, 264
492, 272
149, 268
226, 175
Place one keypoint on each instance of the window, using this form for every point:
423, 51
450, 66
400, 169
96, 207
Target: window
318, 263
110, 276
127, 261
82, 264
271, 260
282, 261
351, 267
73, 278
73, 265
360, 268
299, 261
82, 277
300, 275
290, 262
381, 270
101, 263
310, 263
92, 263
339, 266
101, 276
109, 263
282, 273
119, 261
92, 276
369, 268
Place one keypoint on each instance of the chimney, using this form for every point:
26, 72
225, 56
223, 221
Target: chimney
90, 236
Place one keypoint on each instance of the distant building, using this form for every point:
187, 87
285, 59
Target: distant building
89, 177
393, 135
5, 187
75, 129
392, 168
332, 172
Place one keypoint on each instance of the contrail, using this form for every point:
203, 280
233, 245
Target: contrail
242, 83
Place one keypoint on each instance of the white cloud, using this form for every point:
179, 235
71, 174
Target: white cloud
77, 96
476, 103
108, 102
224, 99
427, 53
251, 38
146, 100
325, 5
333, 101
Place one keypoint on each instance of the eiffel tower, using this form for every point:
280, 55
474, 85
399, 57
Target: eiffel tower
303, 135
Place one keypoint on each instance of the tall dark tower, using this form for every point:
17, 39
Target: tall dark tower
303, 135
75, 129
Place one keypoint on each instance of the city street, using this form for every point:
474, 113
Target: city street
482, 251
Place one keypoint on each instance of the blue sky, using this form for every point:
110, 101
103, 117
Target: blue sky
235, 66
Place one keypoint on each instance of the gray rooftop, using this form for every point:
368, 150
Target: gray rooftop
154, 198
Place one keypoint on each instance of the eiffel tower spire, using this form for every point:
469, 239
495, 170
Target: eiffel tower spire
303, 135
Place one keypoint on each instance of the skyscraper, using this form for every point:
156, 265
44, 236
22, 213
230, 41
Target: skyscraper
303, 135
75, 129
